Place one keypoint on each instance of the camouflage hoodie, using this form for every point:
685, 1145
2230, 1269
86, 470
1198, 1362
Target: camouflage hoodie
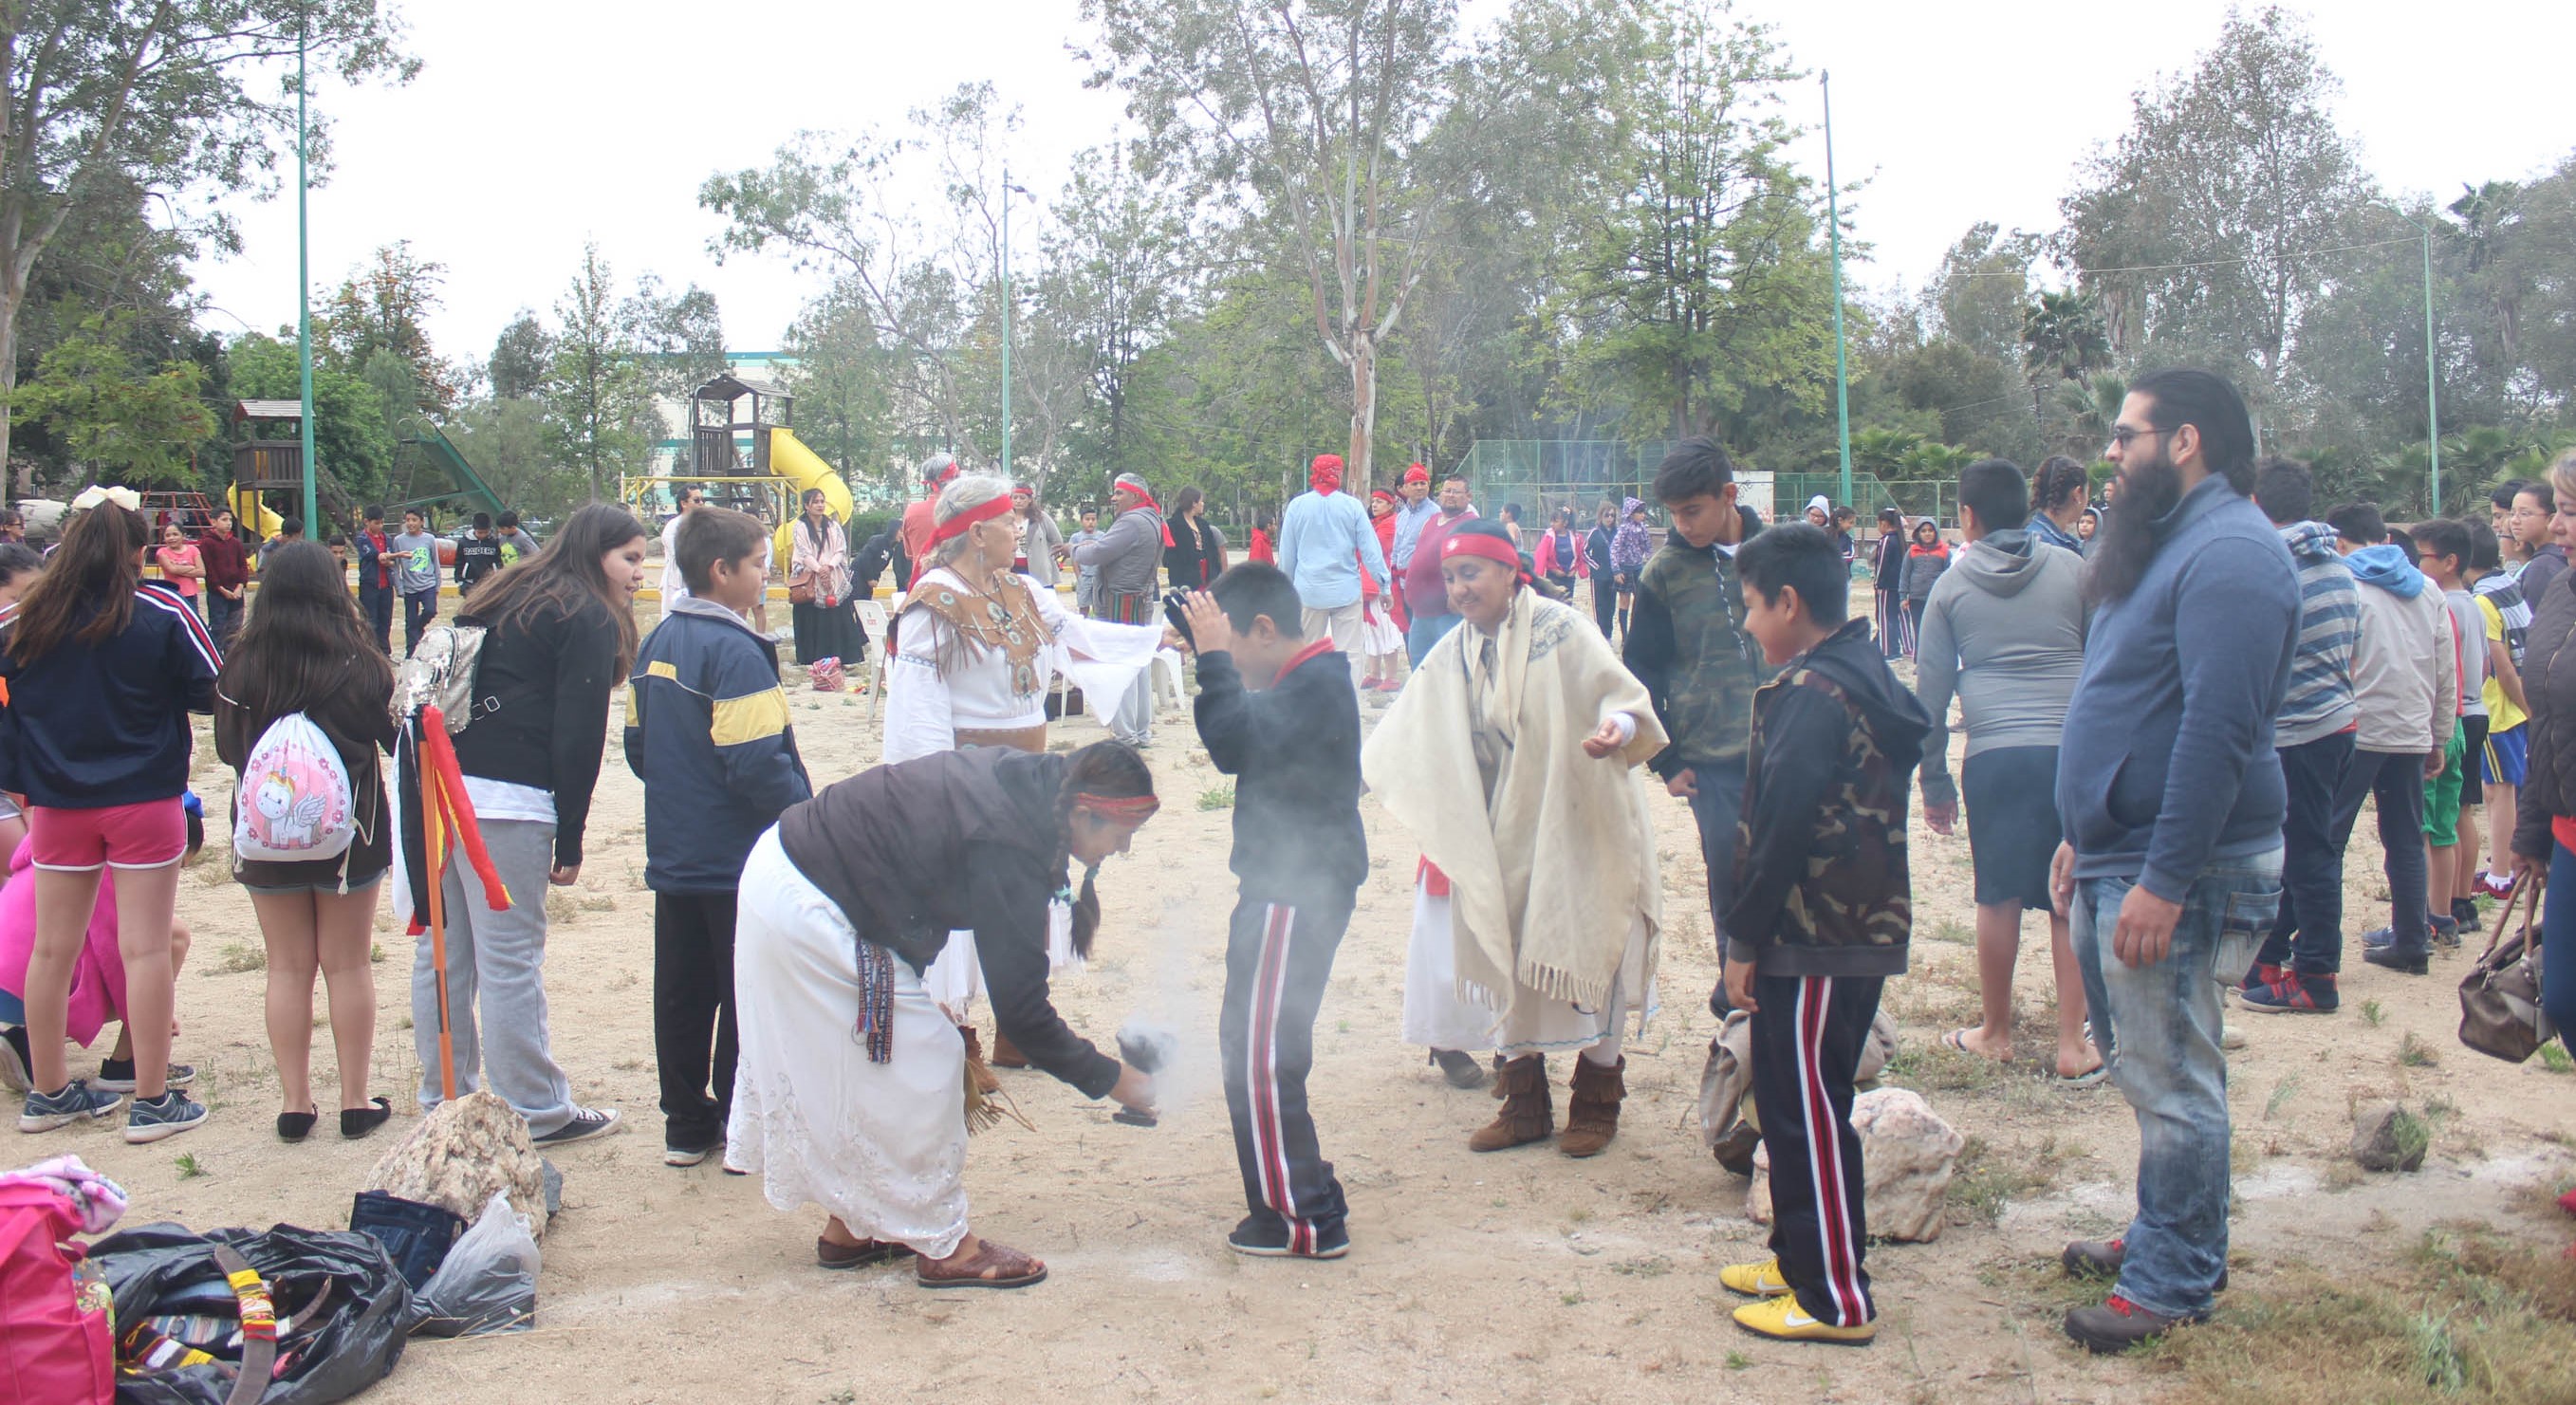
1686, 643
1821, 885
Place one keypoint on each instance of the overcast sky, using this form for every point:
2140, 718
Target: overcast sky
538, 124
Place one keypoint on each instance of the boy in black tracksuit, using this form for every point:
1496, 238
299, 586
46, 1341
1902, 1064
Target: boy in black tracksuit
707, 733
1280, 716
1821, 915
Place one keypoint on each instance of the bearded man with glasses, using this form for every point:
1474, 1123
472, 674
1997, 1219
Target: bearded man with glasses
2172, 866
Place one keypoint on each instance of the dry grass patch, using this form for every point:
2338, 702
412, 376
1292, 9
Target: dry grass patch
2471, 1315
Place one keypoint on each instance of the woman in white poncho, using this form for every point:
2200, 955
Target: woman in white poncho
1517, 731
975, 647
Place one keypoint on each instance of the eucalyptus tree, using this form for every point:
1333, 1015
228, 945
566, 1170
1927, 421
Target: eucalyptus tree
1303, 119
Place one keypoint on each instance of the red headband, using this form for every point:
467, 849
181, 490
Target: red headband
956, 526
1386, 493
1479, 544
1129, 810
1417, 474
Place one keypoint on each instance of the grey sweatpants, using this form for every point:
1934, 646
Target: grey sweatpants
501, 956
1134, 719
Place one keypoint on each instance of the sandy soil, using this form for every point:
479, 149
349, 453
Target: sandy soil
1522, 1276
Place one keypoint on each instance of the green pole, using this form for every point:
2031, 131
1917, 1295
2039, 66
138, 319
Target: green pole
2432, 409
304, 289
1834, 229
1006, 324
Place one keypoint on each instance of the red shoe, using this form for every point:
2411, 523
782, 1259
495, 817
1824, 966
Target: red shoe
2264, 974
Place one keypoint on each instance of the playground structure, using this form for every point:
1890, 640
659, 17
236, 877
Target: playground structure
745, 454
433, 442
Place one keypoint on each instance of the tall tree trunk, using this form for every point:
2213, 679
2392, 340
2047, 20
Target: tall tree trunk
1363, 359
9, 299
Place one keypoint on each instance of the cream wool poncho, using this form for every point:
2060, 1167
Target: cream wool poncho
1557, 929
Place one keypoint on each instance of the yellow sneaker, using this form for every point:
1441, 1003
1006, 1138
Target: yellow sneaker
1782, 1319
1760, 1280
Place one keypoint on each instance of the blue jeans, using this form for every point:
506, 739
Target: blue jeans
2558, 945
1426, 631
1718, 805
2308, 935
223, 618
2159, 1026
2394, 782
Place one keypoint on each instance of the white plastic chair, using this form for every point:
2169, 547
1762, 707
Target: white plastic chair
1167, 678
872, 618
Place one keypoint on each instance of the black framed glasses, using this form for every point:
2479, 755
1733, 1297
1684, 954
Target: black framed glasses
2122, 436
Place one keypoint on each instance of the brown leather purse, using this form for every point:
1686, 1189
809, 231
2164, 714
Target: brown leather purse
2500, 1010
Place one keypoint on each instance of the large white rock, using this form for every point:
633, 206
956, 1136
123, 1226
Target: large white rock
1906, 1152
460, 1154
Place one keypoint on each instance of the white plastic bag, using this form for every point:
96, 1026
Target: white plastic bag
489, 1281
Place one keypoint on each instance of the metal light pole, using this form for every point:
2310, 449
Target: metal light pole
1834, 230
304, 287
2432, 409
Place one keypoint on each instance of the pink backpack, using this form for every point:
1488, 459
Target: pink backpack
295, 802
54, 1339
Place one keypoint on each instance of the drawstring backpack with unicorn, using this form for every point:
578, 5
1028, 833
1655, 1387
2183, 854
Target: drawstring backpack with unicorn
296, 803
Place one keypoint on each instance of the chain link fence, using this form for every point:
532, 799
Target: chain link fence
1545, 474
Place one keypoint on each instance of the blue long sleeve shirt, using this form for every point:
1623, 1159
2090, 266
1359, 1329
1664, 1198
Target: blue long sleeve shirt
2167, 763
1410, 519
1324, 540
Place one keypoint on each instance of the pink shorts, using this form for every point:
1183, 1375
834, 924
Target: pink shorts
153, 834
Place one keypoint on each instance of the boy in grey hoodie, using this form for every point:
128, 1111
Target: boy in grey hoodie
2005, 628
2406, 682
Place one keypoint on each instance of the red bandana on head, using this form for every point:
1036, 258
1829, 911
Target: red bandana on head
1492, 548
1326, 475
957, 526
1144, 498
1417, 474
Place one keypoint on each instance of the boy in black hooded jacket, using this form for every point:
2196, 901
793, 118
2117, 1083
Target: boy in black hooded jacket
1820, 918
1279, 714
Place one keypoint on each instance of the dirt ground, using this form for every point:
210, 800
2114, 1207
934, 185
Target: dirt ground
1521, 1276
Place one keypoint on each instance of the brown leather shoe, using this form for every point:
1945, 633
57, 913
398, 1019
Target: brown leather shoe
985, 1082
1592, 1113
1005, 1053
1528, 1114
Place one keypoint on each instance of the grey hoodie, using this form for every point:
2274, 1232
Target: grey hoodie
2005, 629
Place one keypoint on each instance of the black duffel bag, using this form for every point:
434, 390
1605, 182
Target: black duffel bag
343, 1312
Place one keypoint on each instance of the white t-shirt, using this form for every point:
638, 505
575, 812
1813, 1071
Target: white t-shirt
674, 585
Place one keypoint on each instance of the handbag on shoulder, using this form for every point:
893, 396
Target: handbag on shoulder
2500, 1010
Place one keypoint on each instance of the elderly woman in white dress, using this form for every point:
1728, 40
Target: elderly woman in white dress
975, 647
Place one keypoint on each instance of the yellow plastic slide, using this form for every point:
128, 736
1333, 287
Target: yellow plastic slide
247, 506
791, 460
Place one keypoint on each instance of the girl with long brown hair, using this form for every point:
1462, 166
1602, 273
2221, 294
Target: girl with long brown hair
306, 649
99, 670
561, 637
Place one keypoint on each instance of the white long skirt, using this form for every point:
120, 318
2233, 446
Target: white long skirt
1438, 1015
881, 1145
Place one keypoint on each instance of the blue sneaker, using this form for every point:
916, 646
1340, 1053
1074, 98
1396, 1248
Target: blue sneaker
2295, 994
75, 1102
151, 1119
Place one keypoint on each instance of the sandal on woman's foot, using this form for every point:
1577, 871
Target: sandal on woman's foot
990, 1266
1958, 1039
295, 1126
356, 1122
860, 1255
